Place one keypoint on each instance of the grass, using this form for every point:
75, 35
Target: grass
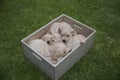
19, 18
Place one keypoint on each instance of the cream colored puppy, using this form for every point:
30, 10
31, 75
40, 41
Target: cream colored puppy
59, 26
81, 37
58, 51
75, 40
64, 26
66, 31
55, 28
55, 38
67, 34
40, 46
47, 38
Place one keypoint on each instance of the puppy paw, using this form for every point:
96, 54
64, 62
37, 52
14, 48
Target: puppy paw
83, 41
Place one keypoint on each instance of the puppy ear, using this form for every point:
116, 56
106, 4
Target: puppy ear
59, 30
43, 38
73, 32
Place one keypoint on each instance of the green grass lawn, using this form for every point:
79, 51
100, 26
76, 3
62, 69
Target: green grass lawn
19, 18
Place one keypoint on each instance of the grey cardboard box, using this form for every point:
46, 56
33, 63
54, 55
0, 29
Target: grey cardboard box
55, 71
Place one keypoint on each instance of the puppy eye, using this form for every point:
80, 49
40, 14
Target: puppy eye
64, 51
53, 40
48, 42
67, 35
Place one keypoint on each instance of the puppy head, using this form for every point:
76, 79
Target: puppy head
58, 50
47, 38
55, 38
65, 35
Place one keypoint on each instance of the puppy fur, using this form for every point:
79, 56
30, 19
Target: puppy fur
40, 46
57, 51
82, 38
54, 28
75, 40
47, 38
58, 27
67, 34
55, 38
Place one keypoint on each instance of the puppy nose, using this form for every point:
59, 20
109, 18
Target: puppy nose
64, 41
64, 51
48, 42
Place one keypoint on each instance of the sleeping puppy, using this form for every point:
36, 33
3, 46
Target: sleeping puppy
73, 42
55, 28
81, 37
58, 51
47, 38
58, 27
40, 46
64, 26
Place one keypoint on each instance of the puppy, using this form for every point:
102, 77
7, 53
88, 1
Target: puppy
40, 46
64, 26
81, 37
47, 38
58, 27
58, 51
75, 40
55, 28
67, 34
55, 38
